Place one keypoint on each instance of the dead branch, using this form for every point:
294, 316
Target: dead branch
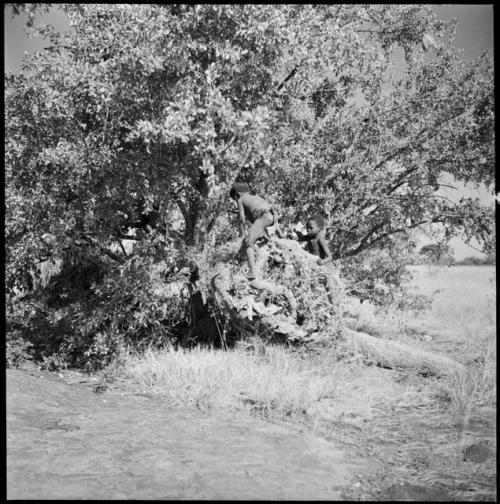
396, 355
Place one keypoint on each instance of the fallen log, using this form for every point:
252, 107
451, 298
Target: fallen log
396, 355
249, 315
296, 301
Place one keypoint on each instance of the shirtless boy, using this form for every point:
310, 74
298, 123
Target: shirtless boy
316, 243
259, 213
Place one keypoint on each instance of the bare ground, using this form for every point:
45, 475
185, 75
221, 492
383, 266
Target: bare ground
65, 441
383, 438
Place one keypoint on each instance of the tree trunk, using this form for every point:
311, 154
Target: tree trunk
202, 211
396, 355
196, 223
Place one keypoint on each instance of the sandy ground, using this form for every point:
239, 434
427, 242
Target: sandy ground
66, 442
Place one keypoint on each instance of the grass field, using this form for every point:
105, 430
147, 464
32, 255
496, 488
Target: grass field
418, 426
463, 316
464, 299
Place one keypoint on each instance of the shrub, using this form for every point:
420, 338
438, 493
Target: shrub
90, 309
378, 275
476, 261
17, 349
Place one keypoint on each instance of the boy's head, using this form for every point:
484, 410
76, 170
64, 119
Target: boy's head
238, 189
315, 225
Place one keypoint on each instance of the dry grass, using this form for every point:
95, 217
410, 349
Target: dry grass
463, 298
461, 322
478, 386
463, 317
276, 384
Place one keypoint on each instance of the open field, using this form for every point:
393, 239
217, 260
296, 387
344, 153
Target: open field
434, 439
462, 320
464, 299
423, 429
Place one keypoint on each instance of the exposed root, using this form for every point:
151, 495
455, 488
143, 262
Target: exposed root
396, 355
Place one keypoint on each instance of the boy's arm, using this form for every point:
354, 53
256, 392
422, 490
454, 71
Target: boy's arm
324, 245
301, 237
279, 231
241, 211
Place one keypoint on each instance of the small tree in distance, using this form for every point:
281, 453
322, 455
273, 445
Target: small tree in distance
432, 251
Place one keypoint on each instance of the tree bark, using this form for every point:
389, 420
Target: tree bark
396, 355
196, 223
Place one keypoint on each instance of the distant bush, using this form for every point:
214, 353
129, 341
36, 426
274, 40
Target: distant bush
476, 261
435, 254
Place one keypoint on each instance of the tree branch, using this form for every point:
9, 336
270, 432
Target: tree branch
401, 180
127, 237
364, 240
366, 246
410, 143
123, 248
110, 254
288, 77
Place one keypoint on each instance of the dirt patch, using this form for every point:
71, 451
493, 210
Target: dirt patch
66, 442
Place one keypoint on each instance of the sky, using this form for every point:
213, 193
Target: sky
474, 35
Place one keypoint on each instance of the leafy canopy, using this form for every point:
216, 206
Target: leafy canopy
135, 123
148, 107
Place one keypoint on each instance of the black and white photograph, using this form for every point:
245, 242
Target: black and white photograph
250, 252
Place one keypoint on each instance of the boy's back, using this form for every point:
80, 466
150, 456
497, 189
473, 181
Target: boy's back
254, 206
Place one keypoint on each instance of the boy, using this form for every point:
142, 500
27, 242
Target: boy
316, 243
261, 215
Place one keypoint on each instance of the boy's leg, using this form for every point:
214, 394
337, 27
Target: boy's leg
256, 230
251, 263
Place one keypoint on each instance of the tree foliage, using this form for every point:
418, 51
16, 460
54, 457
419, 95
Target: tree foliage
135, 122
381, 145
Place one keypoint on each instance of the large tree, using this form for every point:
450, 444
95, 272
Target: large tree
135, 122
138, 112
143, 109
